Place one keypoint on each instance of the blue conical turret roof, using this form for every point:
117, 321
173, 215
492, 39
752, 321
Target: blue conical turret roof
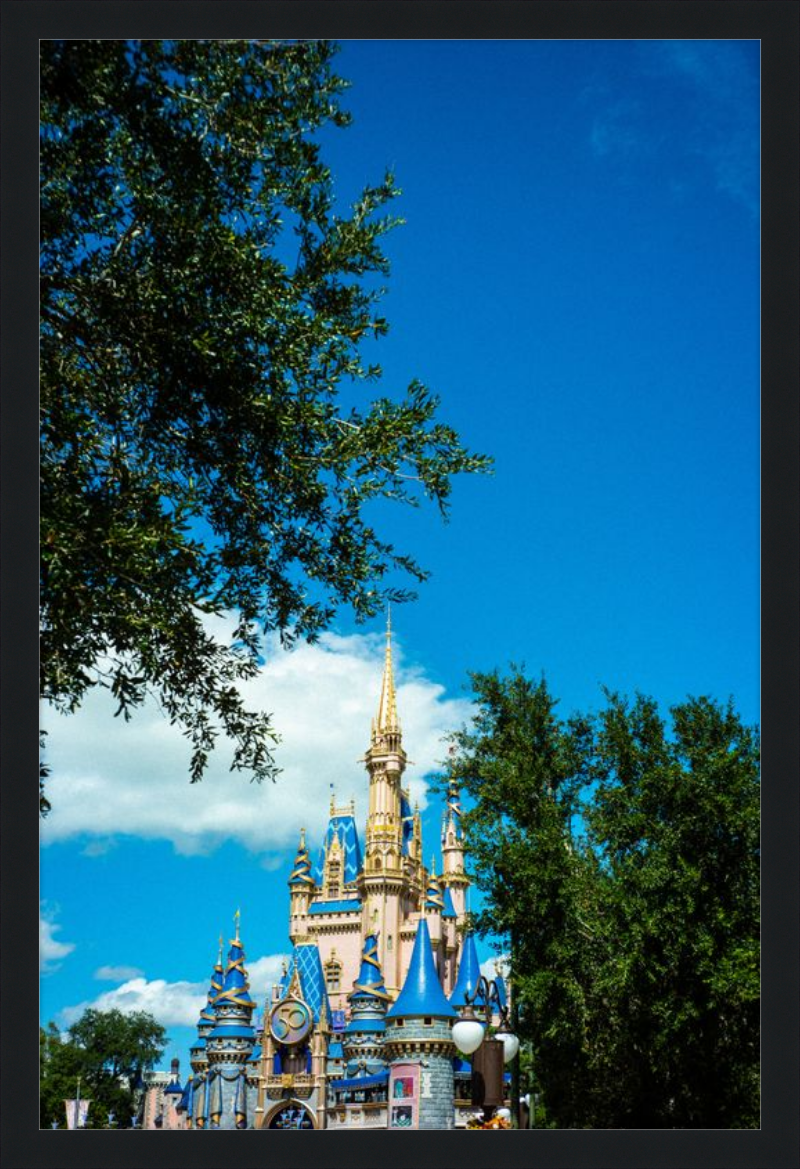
449, 909
422, 992
469, 972
369, 983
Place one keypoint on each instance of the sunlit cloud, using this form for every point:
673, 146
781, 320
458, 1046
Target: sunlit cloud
497, 964
172, 1004
110, 777
51, 950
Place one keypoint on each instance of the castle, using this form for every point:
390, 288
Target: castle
358, 1031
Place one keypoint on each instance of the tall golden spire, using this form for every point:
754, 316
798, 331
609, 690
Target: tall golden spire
386, 720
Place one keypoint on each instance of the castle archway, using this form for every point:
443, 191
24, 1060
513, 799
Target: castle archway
290, 1114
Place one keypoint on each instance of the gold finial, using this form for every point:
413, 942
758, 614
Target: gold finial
236, 917
221, 947
302, 837
433, 866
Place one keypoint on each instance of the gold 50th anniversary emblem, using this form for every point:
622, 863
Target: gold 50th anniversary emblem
290, 1021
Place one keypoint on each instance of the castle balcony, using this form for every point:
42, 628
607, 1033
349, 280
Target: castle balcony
298, 1084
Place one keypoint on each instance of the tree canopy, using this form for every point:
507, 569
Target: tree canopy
208, 445
109, 1051
619, 854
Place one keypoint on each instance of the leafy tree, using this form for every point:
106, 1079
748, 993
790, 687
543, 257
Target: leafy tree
521, 771
206, 444
675, 819
110, 1051
621, 859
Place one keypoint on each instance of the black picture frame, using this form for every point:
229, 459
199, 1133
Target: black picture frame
776, 23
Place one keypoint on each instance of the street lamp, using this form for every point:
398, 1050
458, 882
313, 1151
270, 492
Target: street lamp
489, 1054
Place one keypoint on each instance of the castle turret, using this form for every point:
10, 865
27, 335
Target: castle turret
434, 905
301, 887
363, 1039
383, 880
420, 1045
453, 875
207, 1019
229, 1045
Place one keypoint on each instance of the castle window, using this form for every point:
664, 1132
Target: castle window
333, 976
428, 1022
334, 878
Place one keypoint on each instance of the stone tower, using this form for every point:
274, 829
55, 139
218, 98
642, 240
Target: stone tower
419, 1044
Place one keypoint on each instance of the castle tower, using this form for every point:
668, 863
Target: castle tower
193, 1100
420, 1045
363, 1039
434, 906
453, 875
301, 890
230, 1045
292, 1079
171, 1118
383, 881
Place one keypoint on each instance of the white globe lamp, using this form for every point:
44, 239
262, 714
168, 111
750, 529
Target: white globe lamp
468, 1035
510, 1045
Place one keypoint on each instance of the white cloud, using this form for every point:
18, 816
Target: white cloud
117, 973
111, 777
173, 1004
51, 951
497, 964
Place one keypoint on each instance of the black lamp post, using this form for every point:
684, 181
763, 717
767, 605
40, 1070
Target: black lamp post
488, 1054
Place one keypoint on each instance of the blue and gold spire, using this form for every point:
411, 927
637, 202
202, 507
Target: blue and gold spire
301, 872
434, 901
362, 1043
369, 983
452, 815
235, 987
422, 992
207, 1016
469, 972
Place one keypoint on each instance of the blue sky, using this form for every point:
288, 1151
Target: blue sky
578, 278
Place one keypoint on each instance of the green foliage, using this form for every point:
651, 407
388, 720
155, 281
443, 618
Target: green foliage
205, 446
621, 858
109, 1051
